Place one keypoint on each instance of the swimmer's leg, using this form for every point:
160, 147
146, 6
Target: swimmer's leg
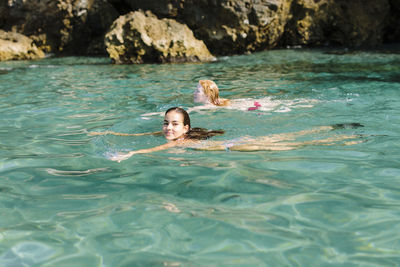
261, 147
348, 140
292, 136
283, 146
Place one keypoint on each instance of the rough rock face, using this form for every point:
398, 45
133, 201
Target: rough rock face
60, 26
226, 26
15, 46
239, 26
337, 22
78, 27
141, 37
392, 31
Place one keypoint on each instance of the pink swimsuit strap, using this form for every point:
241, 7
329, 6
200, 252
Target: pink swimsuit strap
256, 106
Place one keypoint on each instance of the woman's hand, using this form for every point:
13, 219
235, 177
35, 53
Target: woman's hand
122, 156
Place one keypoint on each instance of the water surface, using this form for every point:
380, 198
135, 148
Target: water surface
64, 203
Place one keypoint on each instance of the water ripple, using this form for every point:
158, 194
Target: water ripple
75, 173
64, 203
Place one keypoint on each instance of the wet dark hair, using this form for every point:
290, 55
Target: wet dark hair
194, 133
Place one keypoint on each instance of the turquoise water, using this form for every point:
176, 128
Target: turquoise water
64, 203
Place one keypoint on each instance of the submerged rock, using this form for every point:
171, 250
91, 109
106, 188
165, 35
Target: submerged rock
143, 38
15, 46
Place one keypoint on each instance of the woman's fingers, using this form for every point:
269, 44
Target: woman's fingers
121, 156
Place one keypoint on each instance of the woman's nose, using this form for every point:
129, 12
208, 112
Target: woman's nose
169, 126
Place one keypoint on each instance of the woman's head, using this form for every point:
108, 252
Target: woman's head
177, 126
176, 123
207, 92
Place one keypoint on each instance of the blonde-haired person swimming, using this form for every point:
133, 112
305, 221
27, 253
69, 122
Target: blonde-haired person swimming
207, 92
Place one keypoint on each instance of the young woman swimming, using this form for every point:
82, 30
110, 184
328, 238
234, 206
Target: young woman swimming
178, 132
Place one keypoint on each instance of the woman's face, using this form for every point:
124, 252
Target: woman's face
199, 96
173, 127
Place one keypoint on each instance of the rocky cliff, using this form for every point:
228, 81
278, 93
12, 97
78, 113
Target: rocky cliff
79, 27
143, 38
15, 46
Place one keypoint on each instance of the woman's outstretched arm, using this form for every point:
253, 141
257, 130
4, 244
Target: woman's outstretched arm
124, 134
123, 156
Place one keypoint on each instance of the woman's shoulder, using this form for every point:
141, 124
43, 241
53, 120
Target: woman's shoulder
225, 102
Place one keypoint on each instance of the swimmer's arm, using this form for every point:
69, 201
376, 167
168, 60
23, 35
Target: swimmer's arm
124, 134
123, 156
156, 148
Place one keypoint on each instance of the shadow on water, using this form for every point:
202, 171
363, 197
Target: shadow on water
4, 71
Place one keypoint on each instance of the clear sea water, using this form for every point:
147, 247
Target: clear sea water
64, 203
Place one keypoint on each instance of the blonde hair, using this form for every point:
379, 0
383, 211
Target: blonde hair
212, 92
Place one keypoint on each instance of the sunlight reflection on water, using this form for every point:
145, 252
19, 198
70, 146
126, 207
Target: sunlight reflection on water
64, 202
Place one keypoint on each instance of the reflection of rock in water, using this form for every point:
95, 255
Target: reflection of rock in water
3, 71
353, 125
